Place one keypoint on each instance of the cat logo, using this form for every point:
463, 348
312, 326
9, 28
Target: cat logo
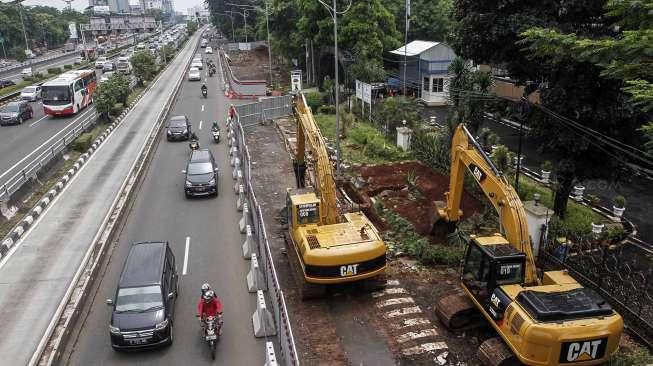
349, 270
495, 300
583, 350
477, 172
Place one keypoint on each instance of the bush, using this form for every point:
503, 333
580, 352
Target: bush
619, 201
54, 70
83, 142
67, 67
38, 75
29, 78
314, 100
359, 136
116, 109
326, 109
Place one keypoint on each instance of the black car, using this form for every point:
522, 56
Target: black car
201, 174
143, 307
179, 128
15, 112
5, 83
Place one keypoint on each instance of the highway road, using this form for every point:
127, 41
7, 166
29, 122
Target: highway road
37, 271
207, 227
17, 142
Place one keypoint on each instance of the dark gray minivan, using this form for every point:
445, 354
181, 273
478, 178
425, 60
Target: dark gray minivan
143, 307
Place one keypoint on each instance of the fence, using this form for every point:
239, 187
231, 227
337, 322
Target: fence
620, 273
240, 89
251, 113
33, 166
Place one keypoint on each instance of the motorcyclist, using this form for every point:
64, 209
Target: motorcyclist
215, 126
210, 305
205, 287
194, 141
204, 89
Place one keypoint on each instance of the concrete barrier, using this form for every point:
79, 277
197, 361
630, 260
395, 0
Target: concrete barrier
255, 279
262, 318
242, 224
241, 198
248, 245
234, 173
270, 356
239, 180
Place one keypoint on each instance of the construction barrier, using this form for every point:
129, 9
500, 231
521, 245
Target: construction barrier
255, 279
262, 318
248, 245
270, 357
242, 224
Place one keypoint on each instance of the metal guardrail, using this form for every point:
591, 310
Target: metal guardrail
29, 171
288, 350
36, 61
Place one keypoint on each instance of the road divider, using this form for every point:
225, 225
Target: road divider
255, 279
262, 318
248, 245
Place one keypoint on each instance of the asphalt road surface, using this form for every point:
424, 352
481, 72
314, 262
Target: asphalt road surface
36, 273
209, 226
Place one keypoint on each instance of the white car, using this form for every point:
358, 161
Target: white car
194, 74
99, 63
105, 77
208, 50
31, 93
197, 64
79, 59
26, 72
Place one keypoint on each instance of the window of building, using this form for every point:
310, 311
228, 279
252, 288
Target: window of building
438, 85
426, 84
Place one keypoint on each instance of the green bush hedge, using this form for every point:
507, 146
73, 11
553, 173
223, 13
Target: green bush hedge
83, 142
67, 67
117, 109
326, 109
314, 100
54, 70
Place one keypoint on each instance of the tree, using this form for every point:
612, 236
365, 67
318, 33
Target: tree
108, 94
191, 27
144, 66
490, 32
394, 110
430, 20
469, 92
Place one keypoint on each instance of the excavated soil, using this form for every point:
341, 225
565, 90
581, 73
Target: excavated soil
390, 184
250, 65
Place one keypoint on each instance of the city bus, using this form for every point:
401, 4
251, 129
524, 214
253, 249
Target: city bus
69, 93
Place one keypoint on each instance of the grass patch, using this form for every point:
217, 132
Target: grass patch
135, 93
632, 355
363, 144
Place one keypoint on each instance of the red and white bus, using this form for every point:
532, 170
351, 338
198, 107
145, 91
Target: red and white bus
69, 93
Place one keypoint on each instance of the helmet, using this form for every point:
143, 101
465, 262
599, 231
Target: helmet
205, 287
209, 295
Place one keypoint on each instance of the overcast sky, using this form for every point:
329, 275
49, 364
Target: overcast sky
180, 5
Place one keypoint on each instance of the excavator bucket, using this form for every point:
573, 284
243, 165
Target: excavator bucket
440, 226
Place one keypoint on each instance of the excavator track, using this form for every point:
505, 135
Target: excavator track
306, 290
458, 312
494, 352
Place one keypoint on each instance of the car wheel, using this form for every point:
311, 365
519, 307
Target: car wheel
171, 334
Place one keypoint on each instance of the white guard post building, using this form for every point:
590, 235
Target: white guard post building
427, 66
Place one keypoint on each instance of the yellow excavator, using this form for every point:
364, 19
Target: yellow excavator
547, 320
330, 247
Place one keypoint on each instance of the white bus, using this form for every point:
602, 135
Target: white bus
69, 93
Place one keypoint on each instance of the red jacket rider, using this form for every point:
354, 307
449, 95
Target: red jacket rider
209, 305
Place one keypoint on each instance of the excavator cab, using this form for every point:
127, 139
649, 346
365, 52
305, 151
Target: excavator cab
491, 262
303, 207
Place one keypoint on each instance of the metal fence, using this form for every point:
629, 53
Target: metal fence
244, 115
31, 167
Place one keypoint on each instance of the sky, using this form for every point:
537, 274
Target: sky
180, 5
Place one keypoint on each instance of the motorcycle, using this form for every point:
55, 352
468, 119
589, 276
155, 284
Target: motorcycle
205, 92
212, 327
194, 145
216, 134
211, 71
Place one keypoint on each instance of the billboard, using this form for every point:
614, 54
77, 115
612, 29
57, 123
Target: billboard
101, 9
72, 27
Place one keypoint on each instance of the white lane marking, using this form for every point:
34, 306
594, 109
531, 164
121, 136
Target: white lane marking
426, 347
399, 301
415, 335
389, 291
402, 312
185, 270
37, 121
71, 124
202, 107
410, 323
201, 124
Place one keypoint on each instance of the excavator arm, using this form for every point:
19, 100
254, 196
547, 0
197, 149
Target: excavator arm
467, 154
309, 138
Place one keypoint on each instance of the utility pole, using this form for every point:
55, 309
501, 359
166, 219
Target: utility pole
406, 44
333, 10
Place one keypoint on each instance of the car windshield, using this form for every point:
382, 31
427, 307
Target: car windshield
139, 298
29, 89
199, 168
177, 123
10, 108
56, 93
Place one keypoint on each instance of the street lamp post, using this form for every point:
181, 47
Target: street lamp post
267, 25
333, 11
231, 19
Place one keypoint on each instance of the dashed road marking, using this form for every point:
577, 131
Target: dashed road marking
201, 125
184, 270
397, 301
416, 335
403, 311
202, 107
389, 291
425, 347
410, 323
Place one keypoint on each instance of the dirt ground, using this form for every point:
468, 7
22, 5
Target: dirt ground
250, 65
391, 183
